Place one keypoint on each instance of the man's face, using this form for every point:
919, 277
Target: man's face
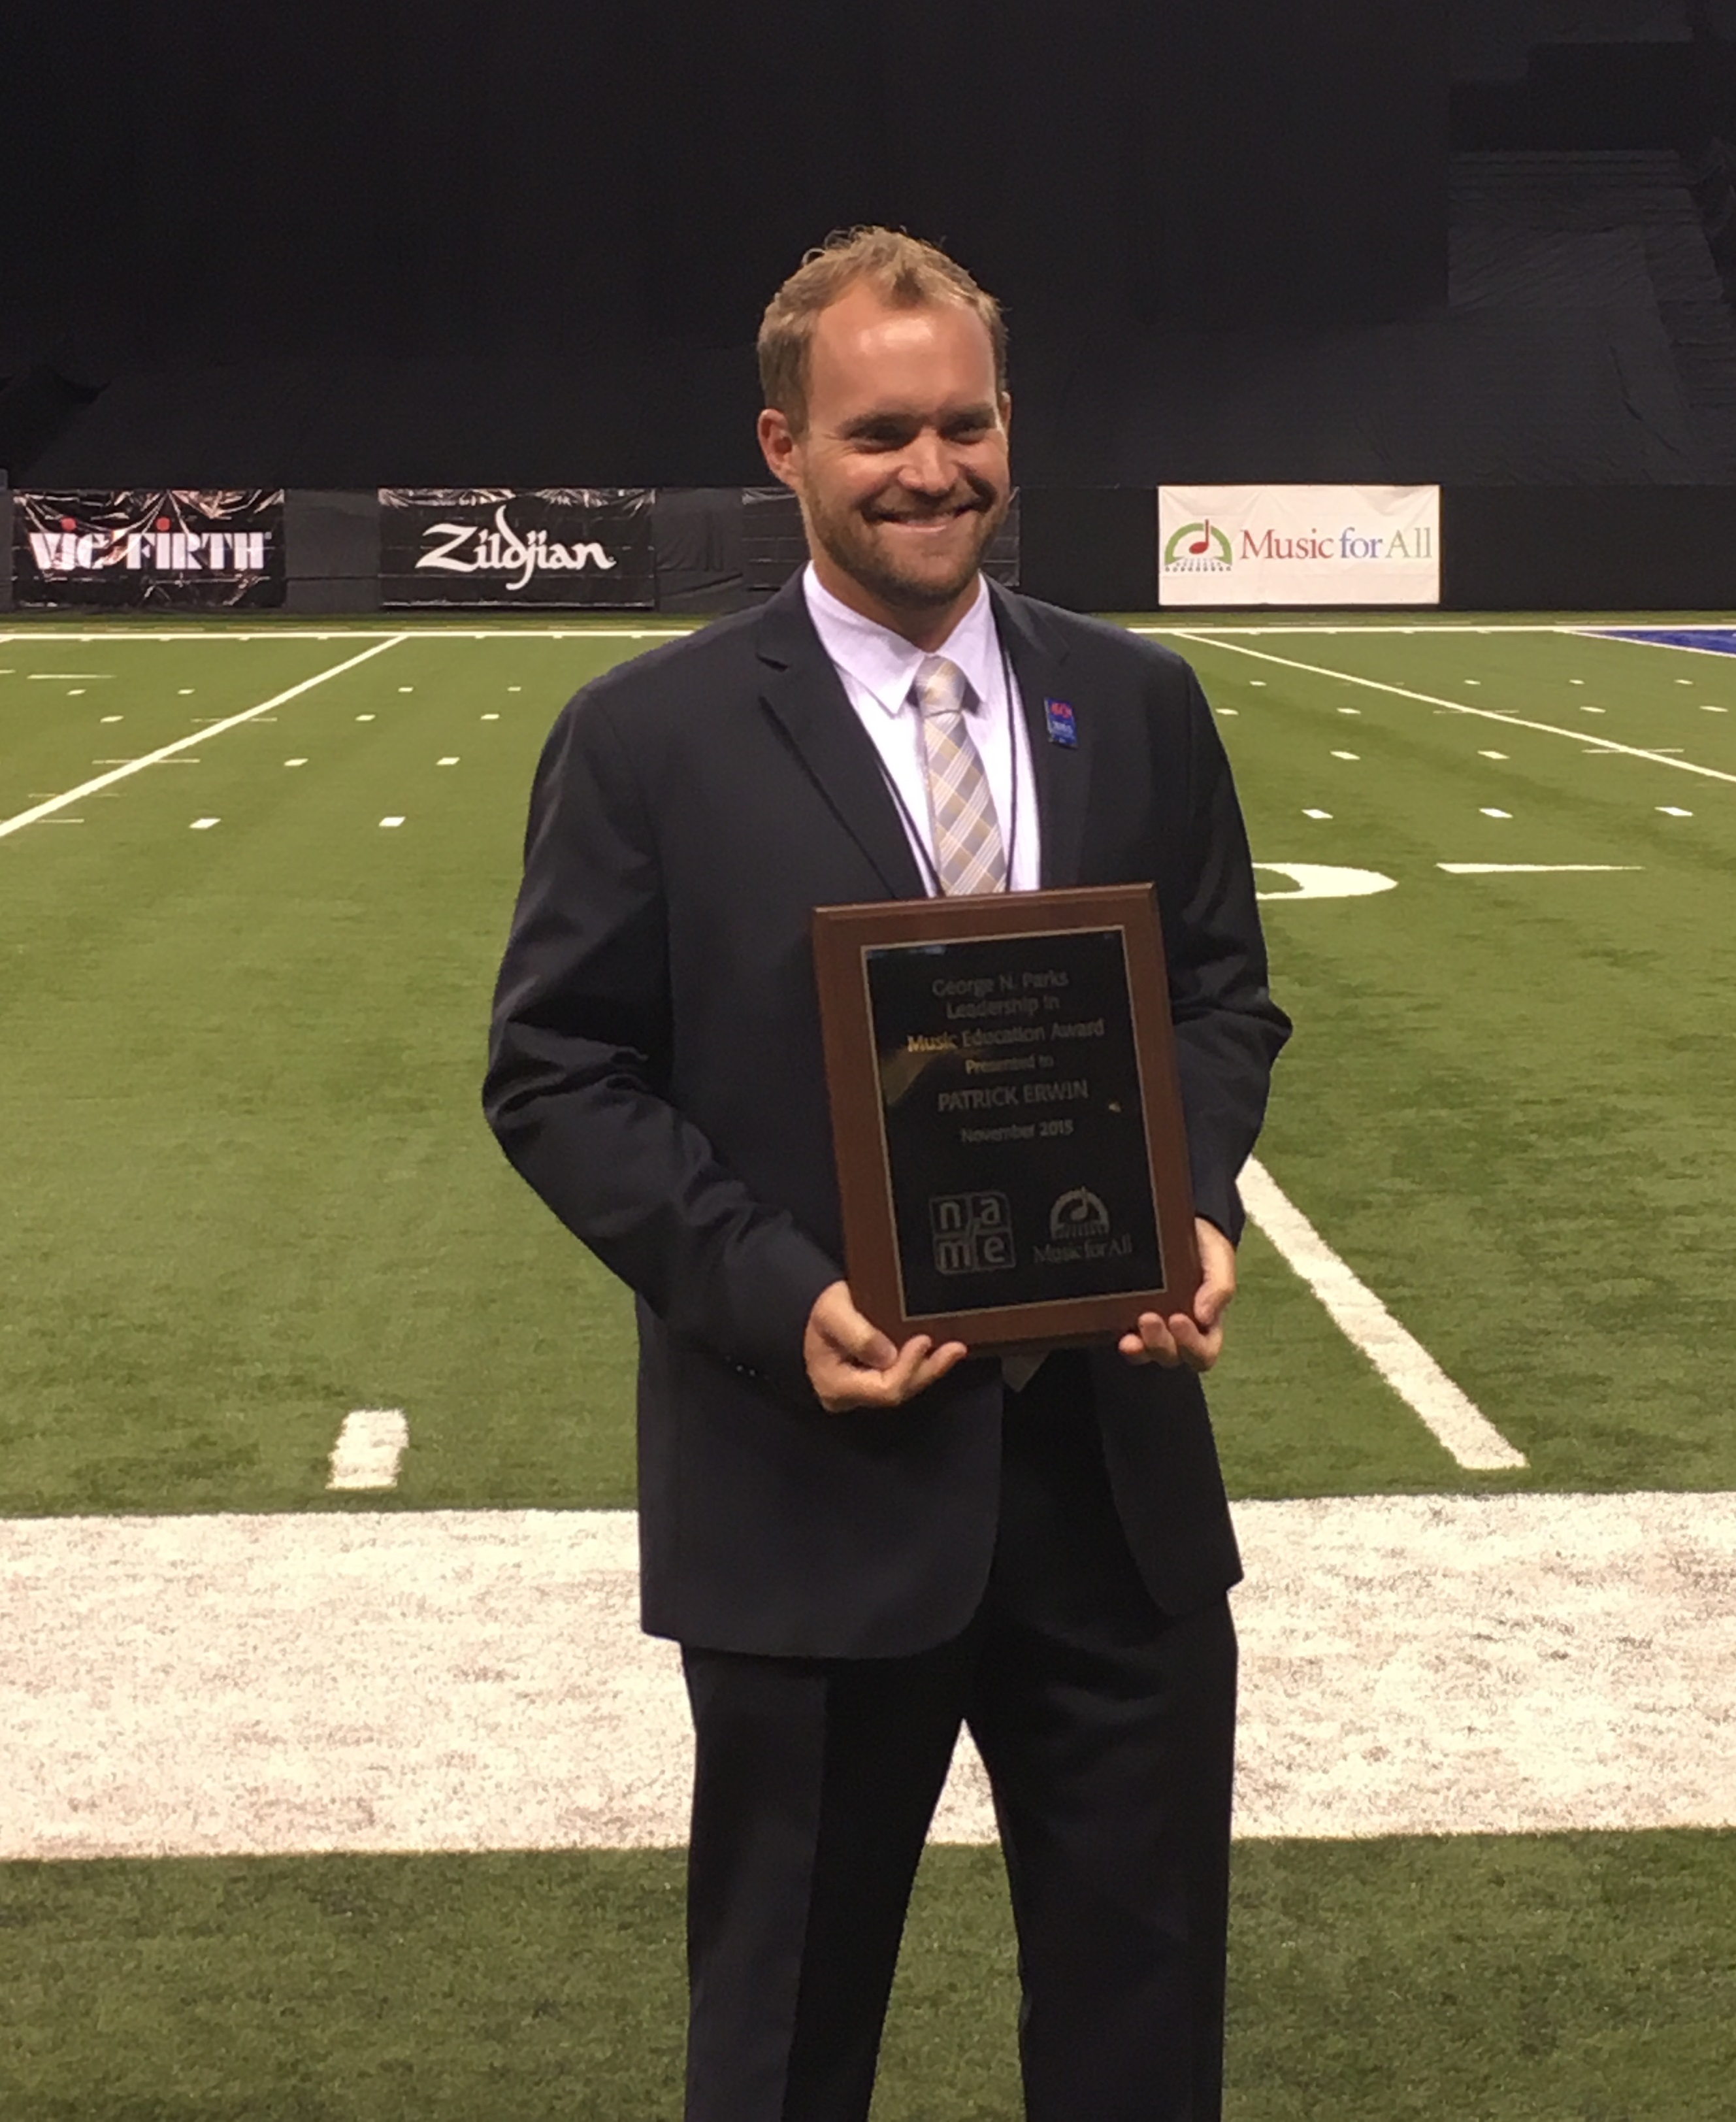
902, 469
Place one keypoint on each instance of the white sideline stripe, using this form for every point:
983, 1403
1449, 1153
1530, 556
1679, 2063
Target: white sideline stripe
369, 1446
8, 825
365, 633
423, 630
1530, 869
1682, 648
1445, 1411
27, 633
476, 1680
1456, 707
1588, 632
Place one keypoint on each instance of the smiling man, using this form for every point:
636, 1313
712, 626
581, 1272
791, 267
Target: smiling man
891, 424
860, 1547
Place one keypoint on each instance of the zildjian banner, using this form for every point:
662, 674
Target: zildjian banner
588, 546
172, 546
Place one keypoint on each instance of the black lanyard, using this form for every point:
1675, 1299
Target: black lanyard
918, 840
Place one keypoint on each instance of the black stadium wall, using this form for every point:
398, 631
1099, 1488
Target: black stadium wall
1503, 548
716, 550
1588, 548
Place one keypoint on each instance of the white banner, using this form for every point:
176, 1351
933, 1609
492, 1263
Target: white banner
1298, 545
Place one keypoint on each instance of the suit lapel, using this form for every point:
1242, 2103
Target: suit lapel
802, 693
1063, 771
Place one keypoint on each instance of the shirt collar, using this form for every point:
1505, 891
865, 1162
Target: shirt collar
884, 663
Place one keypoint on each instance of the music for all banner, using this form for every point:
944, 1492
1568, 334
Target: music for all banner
1305, 545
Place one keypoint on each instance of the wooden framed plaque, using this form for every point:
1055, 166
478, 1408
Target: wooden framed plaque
1006, 1115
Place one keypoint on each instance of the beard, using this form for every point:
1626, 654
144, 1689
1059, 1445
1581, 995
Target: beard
852, 539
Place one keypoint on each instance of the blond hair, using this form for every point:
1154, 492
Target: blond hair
904, 271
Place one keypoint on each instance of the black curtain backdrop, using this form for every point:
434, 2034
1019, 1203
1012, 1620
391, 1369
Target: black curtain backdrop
206, 183
1295, 161
612, 193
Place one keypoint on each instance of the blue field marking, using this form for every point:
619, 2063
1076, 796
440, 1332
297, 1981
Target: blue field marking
1709, 640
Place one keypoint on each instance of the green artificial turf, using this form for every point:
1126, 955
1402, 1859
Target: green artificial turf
1291, 1393
249, 1189
1577, 1978
1569, 1978
70, 709
1506, 1104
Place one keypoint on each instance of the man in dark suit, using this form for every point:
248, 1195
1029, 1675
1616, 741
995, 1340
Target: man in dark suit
859, 1546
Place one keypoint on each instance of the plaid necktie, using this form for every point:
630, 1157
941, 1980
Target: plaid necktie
967, 852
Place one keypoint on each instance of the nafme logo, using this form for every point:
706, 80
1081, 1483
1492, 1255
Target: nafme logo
1079, 1214
1197, 549
973, 1232
69, 551
472, 548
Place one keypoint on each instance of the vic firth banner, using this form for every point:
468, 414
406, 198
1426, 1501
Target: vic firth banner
1298, 545
176, 547
573, 545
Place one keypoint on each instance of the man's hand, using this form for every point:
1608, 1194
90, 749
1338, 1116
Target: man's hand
851, 1364
1196, 1339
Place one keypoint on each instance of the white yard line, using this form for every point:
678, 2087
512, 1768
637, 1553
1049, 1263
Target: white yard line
369, 1446
1445, 1411
9, 825
476, 1680
1580, 736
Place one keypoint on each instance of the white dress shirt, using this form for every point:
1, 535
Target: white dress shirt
878, 668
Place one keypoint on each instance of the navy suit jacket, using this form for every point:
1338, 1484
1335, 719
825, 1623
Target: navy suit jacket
656, 1074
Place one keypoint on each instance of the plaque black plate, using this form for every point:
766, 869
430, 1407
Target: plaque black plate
1008, 1134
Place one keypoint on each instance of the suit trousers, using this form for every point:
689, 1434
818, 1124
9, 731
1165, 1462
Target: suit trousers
1107, 1728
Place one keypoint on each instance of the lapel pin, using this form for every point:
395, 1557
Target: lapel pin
1059, 717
